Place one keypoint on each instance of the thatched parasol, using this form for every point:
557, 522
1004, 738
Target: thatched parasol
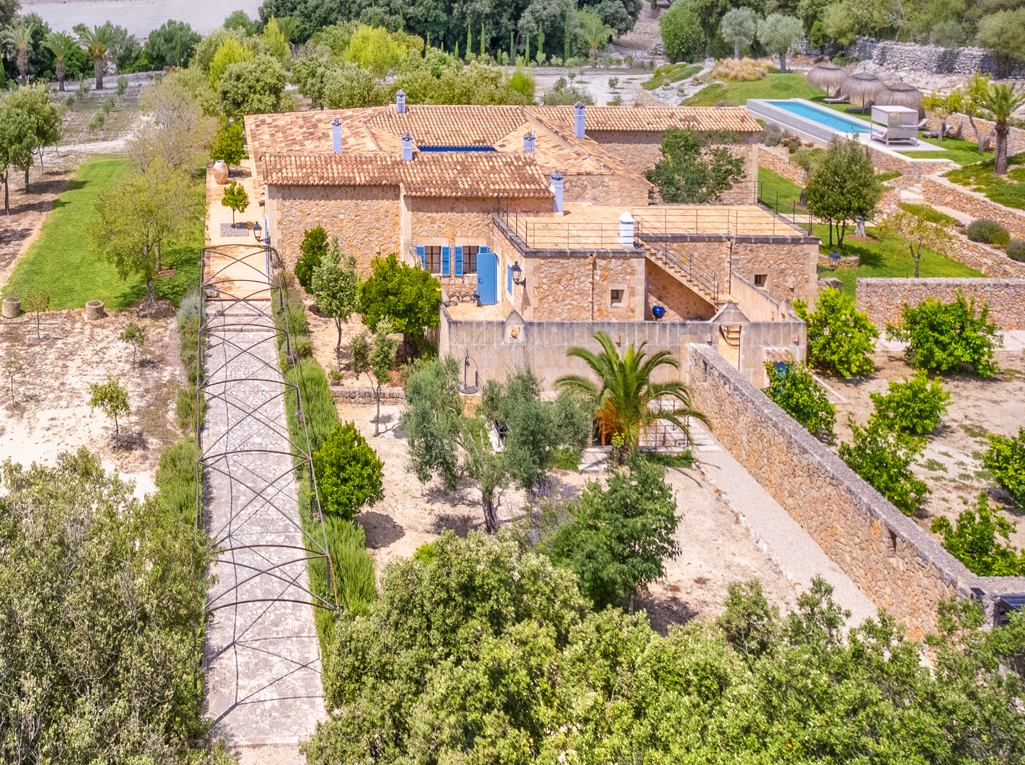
827, 76
901, 94
861, 87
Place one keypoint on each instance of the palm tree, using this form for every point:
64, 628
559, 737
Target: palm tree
1001, 101
595, 32
21, 38
623, 399
62, 46
289, 26
96, 41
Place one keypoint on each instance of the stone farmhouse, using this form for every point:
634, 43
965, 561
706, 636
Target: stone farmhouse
541, 227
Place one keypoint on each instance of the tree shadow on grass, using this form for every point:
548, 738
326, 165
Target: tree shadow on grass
73, 185
380, 529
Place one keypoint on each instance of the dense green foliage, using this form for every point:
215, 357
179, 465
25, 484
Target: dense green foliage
478, 652
795, 391
911, 406
1016, 250
348, 473
312, 250
695, 167
883, 458
943, 337
989, 232
171, 45
842, 186
620, 534
353, 566
973, 541
1005, 459
840, 339
410, 297
101, 614
229, 143
235, 199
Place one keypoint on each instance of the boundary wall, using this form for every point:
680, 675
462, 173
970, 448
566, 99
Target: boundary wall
884, 299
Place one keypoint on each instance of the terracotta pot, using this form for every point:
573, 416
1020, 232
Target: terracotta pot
220, 173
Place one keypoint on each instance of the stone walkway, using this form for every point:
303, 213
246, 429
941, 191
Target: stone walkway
262, 656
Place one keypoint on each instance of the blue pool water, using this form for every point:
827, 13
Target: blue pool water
822, 116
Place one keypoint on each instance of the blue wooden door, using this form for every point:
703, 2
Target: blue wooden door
487, 277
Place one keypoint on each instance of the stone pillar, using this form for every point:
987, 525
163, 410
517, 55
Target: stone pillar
94, 310
12, 308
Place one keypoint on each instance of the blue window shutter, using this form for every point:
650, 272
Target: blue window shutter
459, 261
508, 279
421, 252
446, 261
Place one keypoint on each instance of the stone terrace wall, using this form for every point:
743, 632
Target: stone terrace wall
777, 159
988, 260
898, 565
940, 191
987, 129
932, 58
884, 299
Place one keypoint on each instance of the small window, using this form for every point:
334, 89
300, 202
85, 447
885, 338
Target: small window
432, 259
760, 279
470, 259
617, 297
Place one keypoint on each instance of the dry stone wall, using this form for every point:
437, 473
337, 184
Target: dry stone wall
940, 191
900, 56
898, 565
884, 299
777, 159
577, 286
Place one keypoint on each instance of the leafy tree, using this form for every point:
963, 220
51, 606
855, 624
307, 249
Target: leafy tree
17, 141
240, 20
231, 51
593, 31
627, 401
36, 101
345, 86
374, 49
883, 458
695, 168
778, 34
37, 301
999, 102
11, 366
739, 27
840, 339
973, 541
8, 12
1003, 32
171, 45
254, 87
682, 36
620, 535
349, 474
795, 392
911, 406
944, 336
135, 335
409, 296
136, 215
375, 359
312, 251
235, 199
843, 186
915, 233
276, 43
178, 132
111, 398
336, 287
63, 47
20, 38
96, 42
1005, 459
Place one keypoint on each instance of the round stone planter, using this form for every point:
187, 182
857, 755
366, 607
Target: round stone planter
220, 172
94, 310
12, 308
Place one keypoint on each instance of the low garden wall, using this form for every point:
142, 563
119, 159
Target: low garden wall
988, 260
940, 191
987, 129
884, 299
898, 565
904, 56
777, 159
911, 170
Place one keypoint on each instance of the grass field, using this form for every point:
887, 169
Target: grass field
770, 86
954, 149
61, 262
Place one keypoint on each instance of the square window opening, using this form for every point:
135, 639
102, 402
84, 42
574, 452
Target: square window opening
617, 297
470, 258
760, 279
432, 259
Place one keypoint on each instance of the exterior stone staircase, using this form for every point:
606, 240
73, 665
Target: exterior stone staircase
694, 277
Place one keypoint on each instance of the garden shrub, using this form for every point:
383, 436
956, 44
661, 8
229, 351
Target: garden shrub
884, 458
348, 473
1005, 459
840, 338
1016, 250
773, 134
973, 541
185, 409
302, 348
944, 336
176, 479
795, 392
313, 248
988, 232
318, 403
911, 406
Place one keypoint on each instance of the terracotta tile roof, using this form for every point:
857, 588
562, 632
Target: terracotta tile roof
651, 118
308, 131
451, 125
470, 174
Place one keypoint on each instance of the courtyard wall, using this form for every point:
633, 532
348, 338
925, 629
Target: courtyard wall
883, 299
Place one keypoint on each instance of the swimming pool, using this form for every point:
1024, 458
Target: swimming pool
826, 117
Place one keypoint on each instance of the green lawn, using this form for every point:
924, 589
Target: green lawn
671, 73
770, 86
773, 187
956, 150
61, 262
1008, 191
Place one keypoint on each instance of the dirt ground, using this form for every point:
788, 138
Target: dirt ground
951, 464
49, 411
715, 549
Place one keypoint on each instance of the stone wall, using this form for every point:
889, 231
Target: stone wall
988, 260
577, 286
940, 191
884, 299
898, 565
624, 190
788, 263
756, 304
911, 170
681, 303
758, 337
777, 159
366, 219
987, 131
901, 56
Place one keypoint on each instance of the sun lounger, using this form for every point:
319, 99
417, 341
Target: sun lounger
951, 133
861, 109
837, 100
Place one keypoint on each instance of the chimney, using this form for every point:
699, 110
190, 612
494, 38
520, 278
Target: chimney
528, 142
407, 147
626, 230
578, 119
400, 102
336, 135
557, 189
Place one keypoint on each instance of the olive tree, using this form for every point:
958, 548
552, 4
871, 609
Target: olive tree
739, 27
779, 33
375, 358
